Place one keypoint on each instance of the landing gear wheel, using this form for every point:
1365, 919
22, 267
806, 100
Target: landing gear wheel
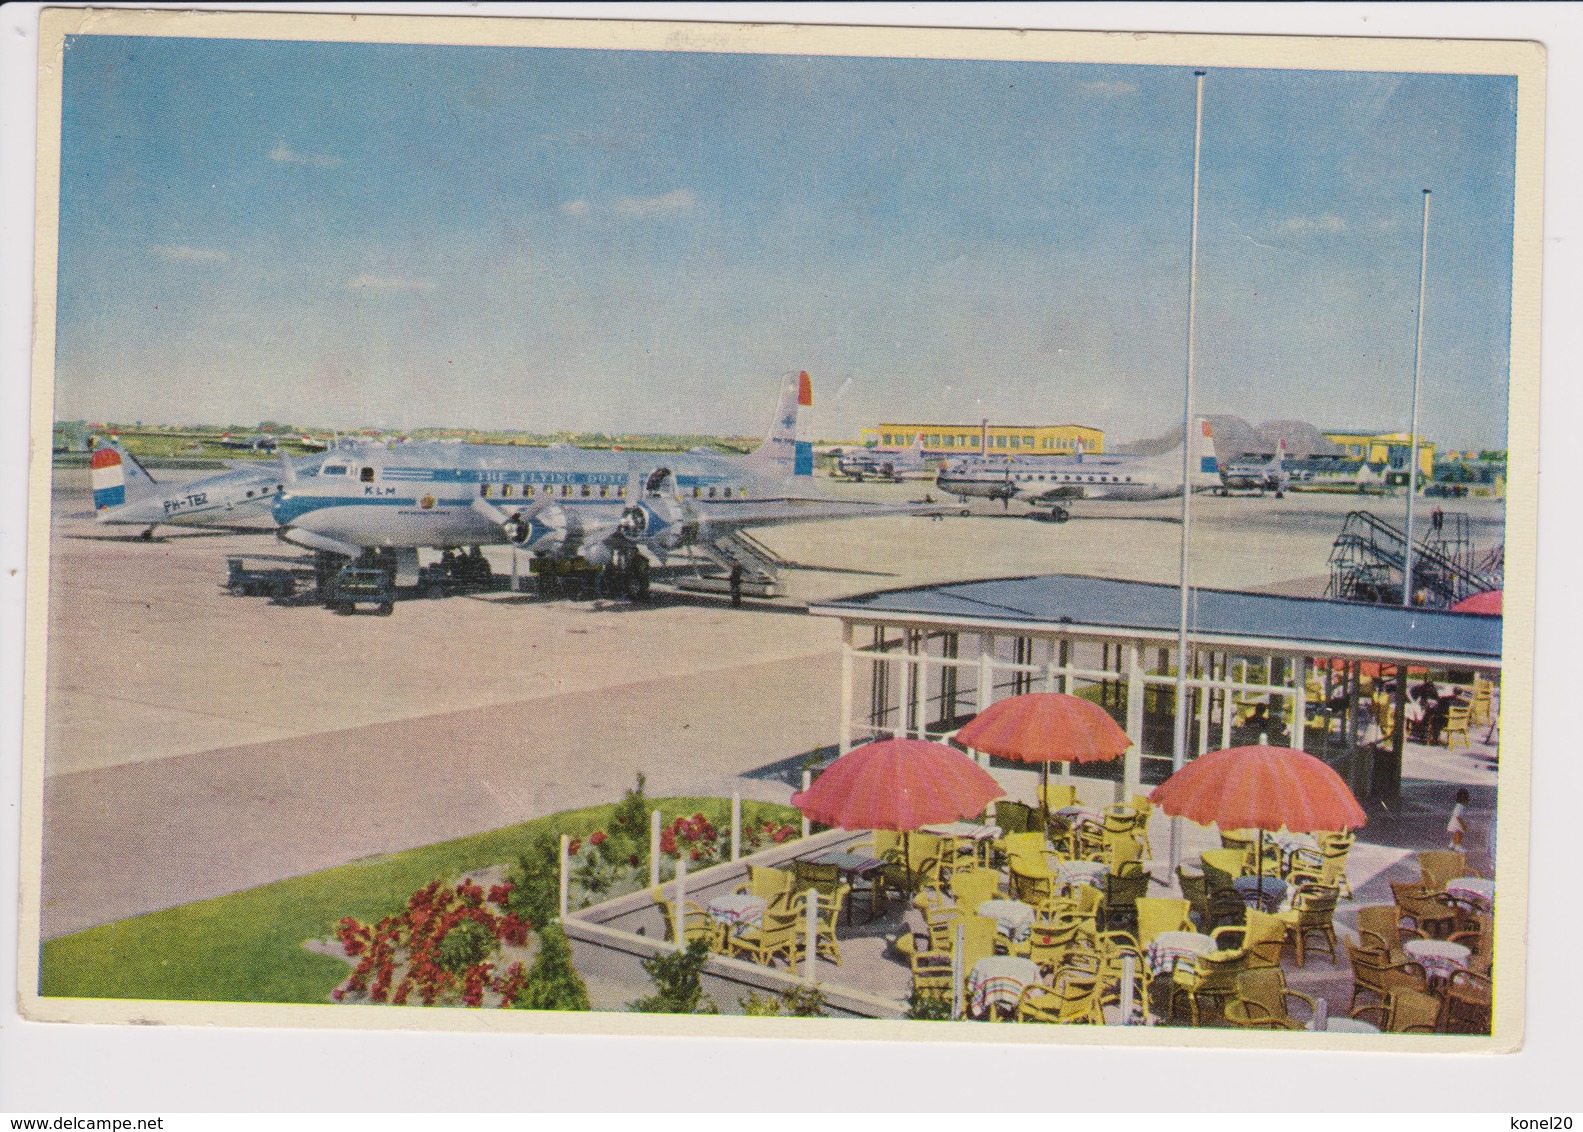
638, 578
385, 609
343, 608
148, 535
1059, 515
965, 512
1280, 495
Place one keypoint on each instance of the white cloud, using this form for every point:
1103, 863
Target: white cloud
676, 201
1326, 223
286, 155
182, 253
1101, 86
387, 283
576, 208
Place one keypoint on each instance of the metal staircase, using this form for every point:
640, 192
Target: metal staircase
1366, 562
760, 565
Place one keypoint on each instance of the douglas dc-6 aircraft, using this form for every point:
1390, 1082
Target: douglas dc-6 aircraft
607, 509
1052, 480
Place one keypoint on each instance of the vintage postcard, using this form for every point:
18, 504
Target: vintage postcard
630, 527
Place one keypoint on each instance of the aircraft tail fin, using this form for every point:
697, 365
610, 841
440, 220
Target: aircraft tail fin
781, 451
117, 478
1205, 467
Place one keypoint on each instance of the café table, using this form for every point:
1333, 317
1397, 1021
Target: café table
1439, 958
1473, 891
1075, 814
1092, 873
1169, 949
999, 981
852, 867
1013, 917
736, 911
960, 831
1341, 1024
1265, 893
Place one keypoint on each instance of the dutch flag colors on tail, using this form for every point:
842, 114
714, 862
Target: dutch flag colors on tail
117, 478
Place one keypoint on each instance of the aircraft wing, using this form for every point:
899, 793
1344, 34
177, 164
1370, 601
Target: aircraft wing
1050, 494
726, 517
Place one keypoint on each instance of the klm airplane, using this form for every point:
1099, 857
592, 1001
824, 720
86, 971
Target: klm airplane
125, 494
609, 509
1050, 481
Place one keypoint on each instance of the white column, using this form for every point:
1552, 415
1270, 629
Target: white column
1129, 990
811, 928
736, 825
654, 849
1300, 703
846, 687
566, 872
807, 781
917, 646
679, 909
1132, 766
958, 945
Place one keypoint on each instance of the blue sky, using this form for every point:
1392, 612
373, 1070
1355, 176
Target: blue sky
351, 234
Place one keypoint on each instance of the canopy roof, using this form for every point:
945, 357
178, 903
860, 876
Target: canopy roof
1222, 618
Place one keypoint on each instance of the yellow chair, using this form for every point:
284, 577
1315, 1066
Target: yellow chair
1380, 929
1157, 914
926, 861
1328, 866
1385, 717
696, 923
1313, 911
1029, 884
773, 886
1468, 999
1145, 810
1124, 884
1457, 716
931, 975
978, 935
1049, 944
1405, 1012
776, 936
1439, 866
1196, 892
1087, 901
1057, 796
1379, 974
1432, 914
1027, 847
971, 887
1073, 998
1259, 1000
1482, 708
1222, 867
827, 914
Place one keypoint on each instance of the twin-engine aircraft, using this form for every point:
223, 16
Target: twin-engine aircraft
1253, 473
1050, 481
125, 494
609, 509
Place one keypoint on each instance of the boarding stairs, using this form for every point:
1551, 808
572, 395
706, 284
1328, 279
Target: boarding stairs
760, 565
1367, 562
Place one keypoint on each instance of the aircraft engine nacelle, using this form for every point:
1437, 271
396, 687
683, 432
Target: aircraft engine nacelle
545, 531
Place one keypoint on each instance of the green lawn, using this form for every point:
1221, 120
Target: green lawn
247, 947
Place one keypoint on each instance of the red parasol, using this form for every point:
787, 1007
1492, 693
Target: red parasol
1260, 788
1046, 727
1488, 603
898, 785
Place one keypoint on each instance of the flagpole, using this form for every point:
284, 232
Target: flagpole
1418, 370
1179, 735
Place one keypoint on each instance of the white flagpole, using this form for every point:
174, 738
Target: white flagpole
1418, 370
1179, 732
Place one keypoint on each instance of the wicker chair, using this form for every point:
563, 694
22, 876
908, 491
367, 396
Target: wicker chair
1259, 1001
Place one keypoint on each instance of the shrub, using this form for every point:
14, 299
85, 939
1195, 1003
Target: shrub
755, 1007
803, 1002
925, 1007
552, 983
465, 945
678, 986
536, 892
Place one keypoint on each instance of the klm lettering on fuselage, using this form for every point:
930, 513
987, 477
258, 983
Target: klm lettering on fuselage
186, 503
373, 489
494, 475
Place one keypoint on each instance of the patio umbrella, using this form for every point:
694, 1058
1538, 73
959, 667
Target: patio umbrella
1045, 727
898, 785
1260, 788
1488, 603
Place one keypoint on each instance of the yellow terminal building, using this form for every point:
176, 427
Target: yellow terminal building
1391, 448
1001, 439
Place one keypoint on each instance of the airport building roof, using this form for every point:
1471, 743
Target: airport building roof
1223, 618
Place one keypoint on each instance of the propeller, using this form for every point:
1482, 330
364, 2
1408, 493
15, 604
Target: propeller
517, 525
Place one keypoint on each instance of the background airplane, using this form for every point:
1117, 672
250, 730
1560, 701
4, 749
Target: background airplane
1050, 481
263, 442
125, 494
1254, 473
609, 509
883, 463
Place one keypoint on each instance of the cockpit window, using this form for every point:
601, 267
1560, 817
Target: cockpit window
368, 475
333, 470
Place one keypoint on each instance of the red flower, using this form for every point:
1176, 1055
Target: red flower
598, 837
573, 846
501, 893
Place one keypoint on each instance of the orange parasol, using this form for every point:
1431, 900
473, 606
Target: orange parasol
899, 785
1488, 603
1260, 788
1045, 727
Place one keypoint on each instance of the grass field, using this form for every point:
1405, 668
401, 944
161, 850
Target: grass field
247, 947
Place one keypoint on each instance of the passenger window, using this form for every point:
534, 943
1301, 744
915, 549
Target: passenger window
726, 492
505, 490
368, 475
621, 493
483, 491
697, 493
711, 493
587, 491
566, 489
527, 491
604, 491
